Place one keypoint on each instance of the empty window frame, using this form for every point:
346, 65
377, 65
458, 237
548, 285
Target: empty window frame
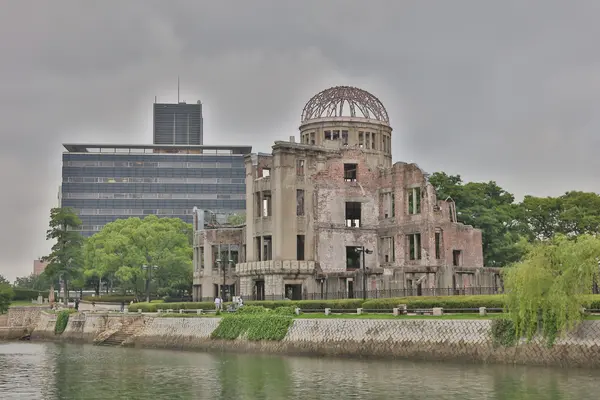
414, 200
438, 244
267, 248
266, 172
389, 206
345, 137
387, 249
367, 140
312, 138
361, 139
350, 172
299, 202
353, 257
300, 247
335, 135
414, 246
266, 204
327, 135
201, 257
353, 214
457, 258
300, 167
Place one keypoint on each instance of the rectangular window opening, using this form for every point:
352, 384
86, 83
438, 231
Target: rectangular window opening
414, 200
300, 247
361, 139
353, 257
299, 202
266, 204
345, 137
327, 135
457, 258
353, 214
350, 172
267, 248
300, 167
414, 246
258, 246
335, 135
438, 245
368, 140
201, 257
266, 172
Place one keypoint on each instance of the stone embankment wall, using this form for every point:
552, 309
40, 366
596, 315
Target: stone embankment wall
430, 339
19, 321
82, 327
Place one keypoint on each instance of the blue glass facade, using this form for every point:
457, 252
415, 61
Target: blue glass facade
103, 187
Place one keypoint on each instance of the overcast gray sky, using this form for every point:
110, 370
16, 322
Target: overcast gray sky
492, 90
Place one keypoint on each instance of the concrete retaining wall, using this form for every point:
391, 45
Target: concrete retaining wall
430, 339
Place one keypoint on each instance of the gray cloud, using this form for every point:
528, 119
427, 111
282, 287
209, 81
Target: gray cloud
491, 90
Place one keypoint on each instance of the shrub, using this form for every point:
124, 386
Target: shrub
252, 310
255, 327
61, 321
6, 295
110, 298
447, 302
503, 332
285, 311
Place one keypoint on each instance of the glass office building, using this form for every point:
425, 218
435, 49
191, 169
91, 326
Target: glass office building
107, 182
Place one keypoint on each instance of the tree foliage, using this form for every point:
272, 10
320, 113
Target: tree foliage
6, 295
35, 282
574, 213
65, 259
488, 207
236, 219
122, 247
3, 280
547, 288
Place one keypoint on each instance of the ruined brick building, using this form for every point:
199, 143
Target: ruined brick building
316, 209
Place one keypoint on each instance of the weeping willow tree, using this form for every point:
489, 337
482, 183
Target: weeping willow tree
548, 288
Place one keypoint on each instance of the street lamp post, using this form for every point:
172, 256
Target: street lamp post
148, 278
364, 251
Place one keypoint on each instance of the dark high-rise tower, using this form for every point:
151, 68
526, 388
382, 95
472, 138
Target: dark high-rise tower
178, 124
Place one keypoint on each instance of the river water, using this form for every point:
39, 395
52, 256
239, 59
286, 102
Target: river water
68, 371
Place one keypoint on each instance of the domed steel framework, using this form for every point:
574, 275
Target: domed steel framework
344, 101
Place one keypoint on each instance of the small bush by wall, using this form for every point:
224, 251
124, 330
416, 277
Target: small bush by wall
62, 320
252, 310
503, 332
254, 327
110, 298
345, 304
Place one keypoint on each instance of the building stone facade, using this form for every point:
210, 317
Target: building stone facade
332, 215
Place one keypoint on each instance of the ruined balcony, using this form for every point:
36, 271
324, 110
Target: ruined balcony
273, 267
262, 184
262, 225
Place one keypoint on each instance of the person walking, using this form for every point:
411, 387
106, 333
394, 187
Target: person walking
217, 303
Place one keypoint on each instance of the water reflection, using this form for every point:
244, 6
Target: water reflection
58, 371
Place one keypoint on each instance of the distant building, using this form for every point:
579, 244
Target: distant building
333, 217
39, 266
107, 182
178, 124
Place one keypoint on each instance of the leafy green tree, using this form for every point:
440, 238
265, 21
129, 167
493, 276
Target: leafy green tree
3, 280
6, 295
65, 260
236, 219
549, 285
572, 214
486, 206
35, 282
126, 248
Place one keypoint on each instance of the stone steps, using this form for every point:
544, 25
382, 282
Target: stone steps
117, 338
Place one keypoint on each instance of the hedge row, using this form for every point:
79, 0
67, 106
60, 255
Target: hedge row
447, 302
28, 294
109, 298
